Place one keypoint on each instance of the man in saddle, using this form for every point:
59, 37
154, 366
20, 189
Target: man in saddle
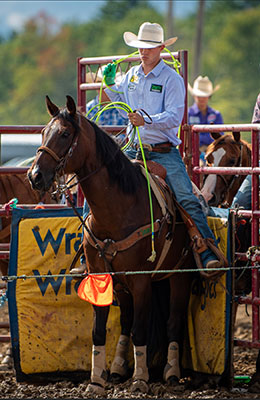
159, 90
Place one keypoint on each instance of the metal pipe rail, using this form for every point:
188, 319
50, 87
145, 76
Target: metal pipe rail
227, 170
195, 129
25, 129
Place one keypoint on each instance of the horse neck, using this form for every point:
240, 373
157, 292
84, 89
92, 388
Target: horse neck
246, 155
106, 201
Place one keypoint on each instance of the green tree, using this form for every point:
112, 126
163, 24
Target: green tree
41, 60
115, 10
235, 64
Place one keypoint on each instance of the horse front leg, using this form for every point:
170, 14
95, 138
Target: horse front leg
119, 369
179, 299
98, 367
142, 301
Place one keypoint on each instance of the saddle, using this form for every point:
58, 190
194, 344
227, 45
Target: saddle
169, 205
198, 243
159, 174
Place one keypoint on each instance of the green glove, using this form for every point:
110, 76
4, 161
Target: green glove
109, 73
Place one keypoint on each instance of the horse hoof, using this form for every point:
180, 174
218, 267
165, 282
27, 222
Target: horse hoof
254, 387
173, 380
139, 386
95, 389
119, 373
7, 362
116, 378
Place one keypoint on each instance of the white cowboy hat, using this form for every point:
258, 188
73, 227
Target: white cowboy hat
149, 37
96, 77
202, 87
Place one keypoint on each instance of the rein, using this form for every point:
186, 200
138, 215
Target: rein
60, 161
95, 241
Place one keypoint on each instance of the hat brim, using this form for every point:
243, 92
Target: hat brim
93, 77
132, 40
200, 93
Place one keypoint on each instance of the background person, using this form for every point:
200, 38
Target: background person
200, 113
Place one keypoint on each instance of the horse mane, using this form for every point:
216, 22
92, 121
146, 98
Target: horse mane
121, 170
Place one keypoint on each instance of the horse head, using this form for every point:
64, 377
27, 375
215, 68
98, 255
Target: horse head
60, 137
226, 151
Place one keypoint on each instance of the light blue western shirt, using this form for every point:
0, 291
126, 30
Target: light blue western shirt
161, 94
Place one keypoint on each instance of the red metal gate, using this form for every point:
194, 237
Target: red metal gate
254, 214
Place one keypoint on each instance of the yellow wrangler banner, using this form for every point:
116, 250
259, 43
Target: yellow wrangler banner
51, 327
209, 315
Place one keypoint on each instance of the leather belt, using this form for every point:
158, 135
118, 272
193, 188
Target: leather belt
163, 147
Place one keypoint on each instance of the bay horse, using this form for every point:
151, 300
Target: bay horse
225, 151
116, 191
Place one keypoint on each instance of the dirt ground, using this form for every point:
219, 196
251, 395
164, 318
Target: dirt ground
244, 364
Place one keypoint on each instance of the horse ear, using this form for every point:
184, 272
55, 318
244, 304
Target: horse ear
236, 136
52, 108
71, 107
215, 135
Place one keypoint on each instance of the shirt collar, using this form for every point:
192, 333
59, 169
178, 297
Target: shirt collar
197, 111
155, 71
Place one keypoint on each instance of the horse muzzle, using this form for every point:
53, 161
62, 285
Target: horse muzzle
40, 181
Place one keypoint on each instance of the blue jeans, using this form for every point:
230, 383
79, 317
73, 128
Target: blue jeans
243, 195
218, 212
179, 182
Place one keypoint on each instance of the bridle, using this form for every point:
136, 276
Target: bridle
229, 184
62, 161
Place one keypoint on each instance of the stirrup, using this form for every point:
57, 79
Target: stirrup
220, 261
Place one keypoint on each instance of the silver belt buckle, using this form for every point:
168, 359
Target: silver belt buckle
147, 146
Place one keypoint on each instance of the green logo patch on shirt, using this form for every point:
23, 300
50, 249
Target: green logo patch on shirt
156, 88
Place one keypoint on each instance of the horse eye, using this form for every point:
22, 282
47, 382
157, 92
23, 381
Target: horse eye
65, 134
232, 161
